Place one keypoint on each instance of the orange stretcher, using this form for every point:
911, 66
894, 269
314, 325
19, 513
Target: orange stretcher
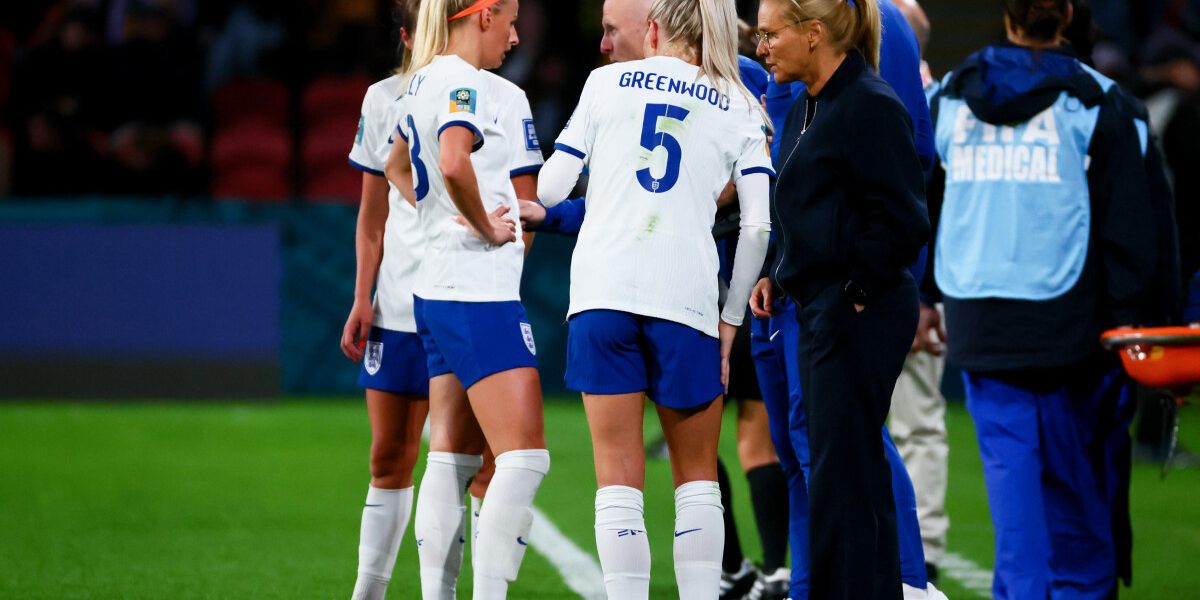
1167, 358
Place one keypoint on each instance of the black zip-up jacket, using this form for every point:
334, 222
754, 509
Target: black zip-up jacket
849, 202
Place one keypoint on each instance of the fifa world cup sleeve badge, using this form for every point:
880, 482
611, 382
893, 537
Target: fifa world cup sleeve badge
463, 100
374, 357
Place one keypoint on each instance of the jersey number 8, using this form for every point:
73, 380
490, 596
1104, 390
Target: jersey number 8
420, 173
652, 139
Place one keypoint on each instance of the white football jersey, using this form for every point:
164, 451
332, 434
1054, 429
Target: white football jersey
660, 144
403, 242
450, 92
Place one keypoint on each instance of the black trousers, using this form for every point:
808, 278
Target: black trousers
849, 363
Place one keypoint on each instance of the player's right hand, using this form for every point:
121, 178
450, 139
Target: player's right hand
533, 214
762, 299
358, 327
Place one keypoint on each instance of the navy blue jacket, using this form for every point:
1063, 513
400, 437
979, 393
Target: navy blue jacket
1044, 228
849, 202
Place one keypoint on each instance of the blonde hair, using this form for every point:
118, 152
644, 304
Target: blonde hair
849, 25
433, 31
710, 27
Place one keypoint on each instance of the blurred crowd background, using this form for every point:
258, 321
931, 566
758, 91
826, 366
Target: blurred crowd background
239, 115
237, 99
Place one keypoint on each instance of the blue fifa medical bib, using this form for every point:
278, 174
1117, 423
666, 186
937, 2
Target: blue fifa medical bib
1016, 214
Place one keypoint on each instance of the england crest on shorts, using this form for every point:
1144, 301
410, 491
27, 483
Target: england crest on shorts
527, 335
374, 357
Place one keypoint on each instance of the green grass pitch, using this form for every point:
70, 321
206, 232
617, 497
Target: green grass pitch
263, 501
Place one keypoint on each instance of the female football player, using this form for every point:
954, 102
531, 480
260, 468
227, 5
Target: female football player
662, 137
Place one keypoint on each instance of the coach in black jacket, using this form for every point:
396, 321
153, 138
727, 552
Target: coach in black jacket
850, 218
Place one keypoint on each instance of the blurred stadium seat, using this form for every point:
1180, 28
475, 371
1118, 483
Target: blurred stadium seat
327, 174
333, 98
260, 101
253, 162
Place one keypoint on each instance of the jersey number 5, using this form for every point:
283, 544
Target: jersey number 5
420, 173
652, 138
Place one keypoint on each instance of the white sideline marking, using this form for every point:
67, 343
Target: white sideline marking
965, 571
579, 569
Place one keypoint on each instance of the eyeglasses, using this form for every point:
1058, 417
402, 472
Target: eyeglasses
768, 37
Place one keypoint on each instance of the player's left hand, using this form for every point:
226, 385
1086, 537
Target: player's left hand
357, 329
726, 333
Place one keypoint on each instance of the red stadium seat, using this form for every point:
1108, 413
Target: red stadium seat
333, 97
252, 162
253, 100
327, 171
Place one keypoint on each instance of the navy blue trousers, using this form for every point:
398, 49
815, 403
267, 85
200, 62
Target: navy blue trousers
775, 346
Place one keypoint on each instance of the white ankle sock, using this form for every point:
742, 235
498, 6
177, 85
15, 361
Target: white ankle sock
439, 521
476, 505
622, 543
384, 519
699, 540
505, 519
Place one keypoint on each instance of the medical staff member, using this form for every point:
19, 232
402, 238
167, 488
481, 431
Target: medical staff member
480, 347
851, 218
644, 319
1042, 241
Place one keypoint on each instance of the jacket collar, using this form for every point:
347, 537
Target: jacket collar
850, 69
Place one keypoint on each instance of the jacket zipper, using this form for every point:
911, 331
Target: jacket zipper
804, 125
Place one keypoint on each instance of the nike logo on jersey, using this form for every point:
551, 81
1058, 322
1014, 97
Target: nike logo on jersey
521, 541
772, 338
682, 533
419, 540
628, 532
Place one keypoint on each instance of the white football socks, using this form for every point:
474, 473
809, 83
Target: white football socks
699, 540
621, 542
439, 521
505, 520
384, 519
476, 505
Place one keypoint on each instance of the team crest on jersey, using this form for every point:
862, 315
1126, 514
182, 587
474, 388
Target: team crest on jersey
531, 138
527, 335
463, 100
374, 357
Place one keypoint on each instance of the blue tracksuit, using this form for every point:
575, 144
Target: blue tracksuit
1043, 220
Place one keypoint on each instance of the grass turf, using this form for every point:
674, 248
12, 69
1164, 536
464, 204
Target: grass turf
263, 501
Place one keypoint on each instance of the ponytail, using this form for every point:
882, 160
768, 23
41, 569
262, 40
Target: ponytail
868, 30
433, 31
710, 27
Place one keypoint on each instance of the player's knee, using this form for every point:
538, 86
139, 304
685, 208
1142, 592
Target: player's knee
391, 462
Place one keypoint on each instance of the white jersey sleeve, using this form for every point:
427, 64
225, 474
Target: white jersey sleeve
517, 120
756, 153
369, 152
579, 136
461, 99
